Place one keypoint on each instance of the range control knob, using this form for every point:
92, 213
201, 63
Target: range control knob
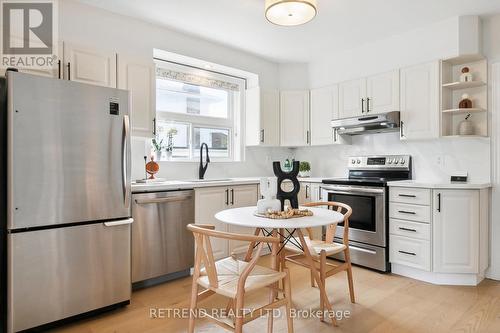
358, 161
389, 161
353, 161
396, 162
402, 161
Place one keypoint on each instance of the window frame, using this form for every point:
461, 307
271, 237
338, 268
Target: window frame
233, 123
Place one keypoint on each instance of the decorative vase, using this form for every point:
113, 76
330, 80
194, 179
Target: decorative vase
465, 103
158, 155
466, 127
169, 155
466, 76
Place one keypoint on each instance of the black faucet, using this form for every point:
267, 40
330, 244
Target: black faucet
203, 168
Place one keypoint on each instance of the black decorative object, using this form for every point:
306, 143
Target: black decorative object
291, 196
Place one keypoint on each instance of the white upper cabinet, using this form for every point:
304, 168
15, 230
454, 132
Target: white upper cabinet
420, 87
352, 98
324, 108
382, 92
137, 75
374, 94
294, 116
87, 65
262, 117
456, 224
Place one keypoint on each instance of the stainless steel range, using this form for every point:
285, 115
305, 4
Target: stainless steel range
366, 192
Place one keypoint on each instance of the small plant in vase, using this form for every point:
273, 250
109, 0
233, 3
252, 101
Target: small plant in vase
170, 141
304, 169
157, 147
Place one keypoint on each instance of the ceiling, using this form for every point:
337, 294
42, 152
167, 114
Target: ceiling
339, 25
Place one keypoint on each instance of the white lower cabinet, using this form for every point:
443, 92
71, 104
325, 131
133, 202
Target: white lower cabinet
456, 231
443, 240
211, 200
410, 252
208, 202
241, 196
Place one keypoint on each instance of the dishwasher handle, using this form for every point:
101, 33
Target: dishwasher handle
162, 200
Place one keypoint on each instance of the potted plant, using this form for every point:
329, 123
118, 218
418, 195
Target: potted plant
304, 169
157, 147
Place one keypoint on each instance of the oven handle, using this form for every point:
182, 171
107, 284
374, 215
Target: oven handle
351, 190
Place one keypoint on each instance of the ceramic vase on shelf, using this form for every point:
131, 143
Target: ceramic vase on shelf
158, 155
466, 127
465, 103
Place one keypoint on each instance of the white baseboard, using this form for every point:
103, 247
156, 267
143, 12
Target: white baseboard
437, 278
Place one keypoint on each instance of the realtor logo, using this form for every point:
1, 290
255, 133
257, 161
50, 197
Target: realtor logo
29, 34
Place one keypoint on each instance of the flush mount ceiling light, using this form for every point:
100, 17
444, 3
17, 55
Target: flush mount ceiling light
290, 12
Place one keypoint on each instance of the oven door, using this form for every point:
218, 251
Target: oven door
367, 223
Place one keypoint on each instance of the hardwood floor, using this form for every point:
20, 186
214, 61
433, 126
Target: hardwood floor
385, 303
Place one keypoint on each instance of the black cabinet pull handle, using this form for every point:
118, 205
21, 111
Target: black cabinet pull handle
408, 253
262, 135
407, 195
59, 69
439, 202
367, 105
407, 229
362, 105
227, 197
401, 129
406, 212
154, 126
69, 71
232, 196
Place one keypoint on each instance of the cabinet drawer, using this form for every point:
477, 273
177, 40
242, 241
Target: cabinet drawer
411, 252
410, 229
410, 212
417, 196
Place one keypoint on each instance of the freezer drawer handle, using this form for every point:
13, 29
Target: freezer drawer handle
162, 200
117, 223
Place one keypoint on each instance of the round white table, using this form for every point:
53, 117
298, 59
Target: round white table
245, 217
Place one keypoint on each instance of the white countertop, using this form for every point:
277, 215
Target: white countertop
171, 185
443, 185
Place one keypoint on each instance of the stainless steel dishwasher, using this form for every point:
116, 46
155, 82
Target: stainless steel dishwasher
162, 247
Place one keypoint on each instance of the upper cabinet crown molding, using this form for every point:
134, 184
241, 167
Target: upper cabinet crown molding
137, 75
294, 116
88, 65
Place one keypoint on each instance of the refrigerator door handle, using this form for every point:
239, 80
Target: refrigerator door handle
126, 182
119, 222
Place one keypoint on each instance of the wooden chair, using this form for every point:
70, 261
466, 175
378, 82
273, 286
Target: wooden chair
233, 278
320, 249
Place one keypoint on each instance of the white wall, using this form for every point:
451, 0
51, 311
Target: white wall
491, 48
97, 28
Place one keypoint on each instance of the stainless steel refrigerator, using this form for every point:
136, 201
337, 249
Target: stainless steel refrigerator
67, 216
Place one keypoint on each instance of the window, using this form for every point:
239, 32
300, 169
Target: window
195, 106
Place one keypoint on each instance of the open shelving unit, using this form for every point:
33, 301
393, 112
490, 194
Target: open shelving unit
452, 90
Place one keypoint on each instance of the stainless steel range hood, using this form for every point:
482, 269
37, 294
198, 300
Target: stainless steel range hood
377, 123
